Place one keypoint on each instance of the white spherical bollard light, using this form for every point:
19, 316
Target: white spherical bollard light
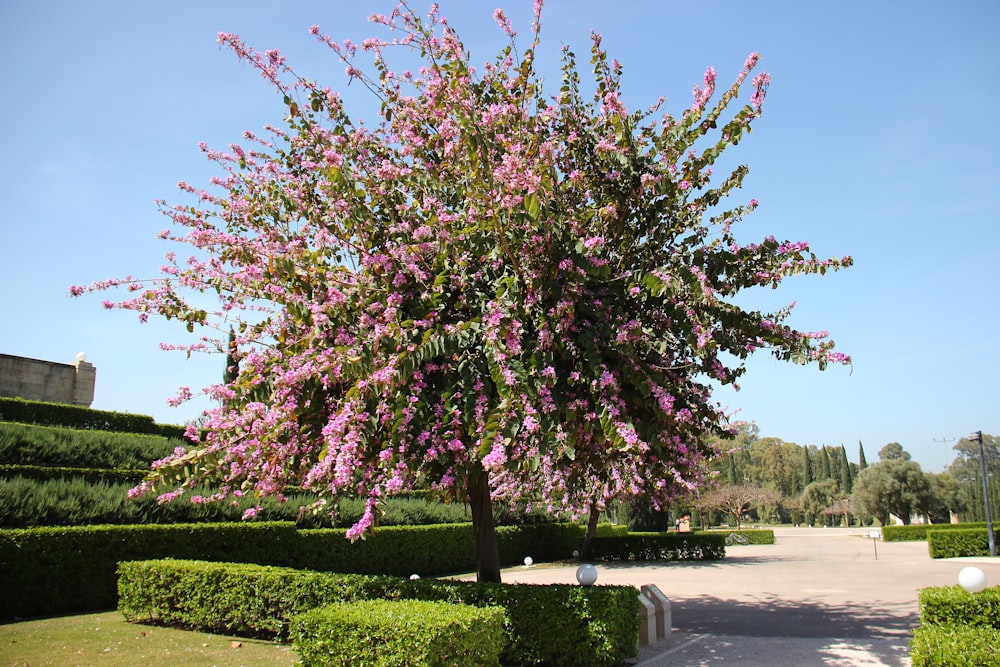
586, 574
414, 577
528, 562
972, 579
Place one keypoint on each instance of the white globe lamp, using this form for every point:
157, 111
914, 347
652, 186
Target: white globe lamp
586, 574
528, 562
972, 579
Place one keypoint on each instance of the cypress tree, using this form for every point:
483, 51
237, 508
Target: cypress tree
824, 471
846, 483
862, 463
807, 472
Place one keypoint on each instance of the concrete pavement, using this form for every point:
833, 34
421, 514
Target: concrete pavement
815, 597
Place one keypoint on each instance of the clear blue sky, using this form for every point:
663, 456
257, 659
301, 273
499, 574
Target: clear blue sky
878, 141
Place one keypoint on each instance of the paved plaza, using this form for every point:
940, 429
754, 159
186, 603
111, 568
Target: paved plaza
815, 597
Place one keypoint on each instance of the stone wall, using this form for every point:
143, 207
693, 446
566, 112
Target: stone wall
37, 380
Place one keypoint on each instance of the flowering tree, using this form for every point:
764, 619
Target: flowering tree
490, 293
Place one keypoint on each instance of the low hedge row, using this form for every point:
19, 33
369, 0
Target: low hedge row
78, 417
958, 543
28, 444
72, 569
660, 546
918, 532
399, 633
750, 536
955, 646
957, 628
953, 605
545, 625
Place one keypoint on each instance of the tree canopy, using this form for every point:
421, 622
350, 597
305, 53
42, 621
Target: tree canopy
492, 291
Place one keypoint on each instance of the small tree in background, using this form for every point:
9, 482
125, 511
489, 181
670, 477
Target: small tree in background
736, 501
491, 292
817, 497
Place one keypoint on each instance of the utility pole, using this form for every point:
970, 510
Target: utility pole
986, 495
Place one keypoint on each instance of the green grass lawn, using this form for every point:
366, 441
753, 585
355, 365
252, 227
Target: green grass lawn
105, 639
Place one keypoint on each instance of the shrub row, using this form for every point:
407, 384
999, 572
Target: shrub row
957, 628
130, 476
916, 533
660, 546
958, 543
955, 646
59, 570
750, 536
553, 624
400, 633
78, 417
26, 444
953, 605
90, 498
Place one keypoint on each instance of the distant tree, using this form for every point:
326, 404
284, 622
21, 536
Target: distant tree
862, 462
845, 471
807, 469
892, 486
817, 497
793, 502
736, 501
965, 469
825, 470
893, 451
945, 498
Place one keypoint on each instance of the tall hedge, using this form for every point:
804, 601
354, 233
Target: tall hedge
63, 570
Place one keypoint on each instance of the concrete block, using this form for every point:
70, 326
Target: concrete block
664, 620
647, 621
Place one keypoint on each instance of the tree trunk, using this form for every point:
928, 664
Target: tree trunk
588, 539
484, 529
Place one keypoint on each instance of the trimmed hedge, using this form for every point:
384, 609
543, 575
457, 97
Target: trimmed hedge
399, 633
26, 444
660, 546
918, 532
63, 570
78, 417
554, 624
86, 500
958, 543
130, 476
750, 536
955, 646
953, 605
72, 569
958, 628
